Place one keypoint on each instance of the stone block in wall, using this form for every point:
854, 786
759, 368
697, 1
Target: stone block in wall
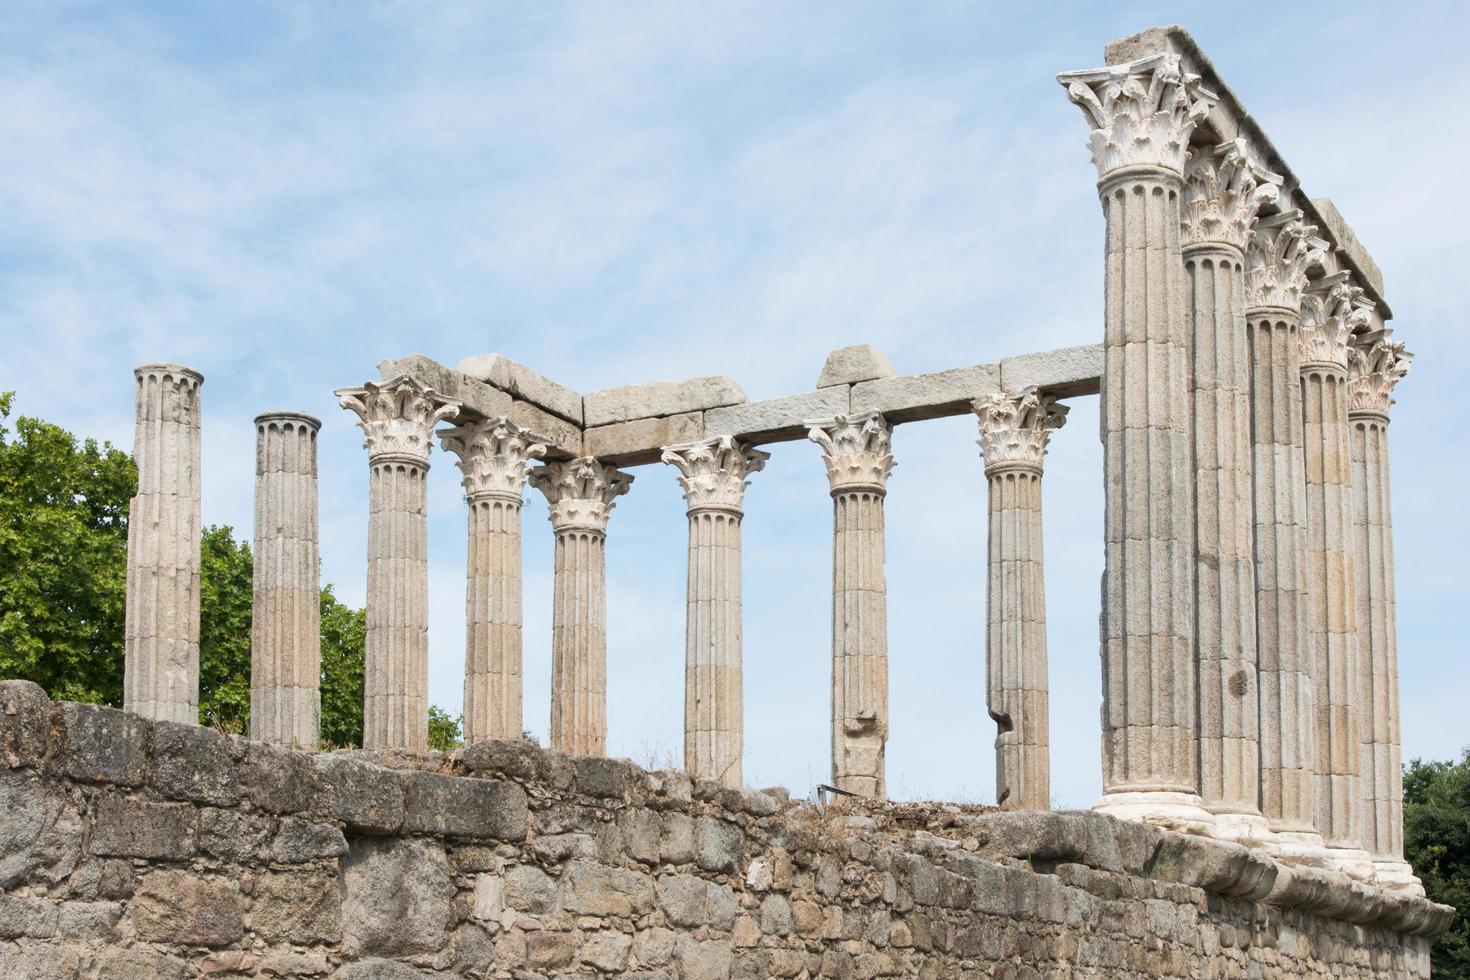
182, 908
25, 724
40, 831
607, 951
1217, 866
368, 798
103, 745
298, 841
718, 845
278, 780
512, 758
191, 762
397, 897
375, 969
233, 835
708, 959
137, 828
460, 807
136, 964
604, 779
641, 830
35, 918
595, 889
303, 908
529, 889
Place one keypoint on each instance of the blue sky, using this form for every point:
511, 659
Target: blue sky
283, 195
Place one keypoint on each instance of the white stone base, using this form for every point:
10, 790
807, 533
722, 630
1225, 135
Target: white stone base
1249, 829
1353, 862
1398, 877
1299, 847
1173, 811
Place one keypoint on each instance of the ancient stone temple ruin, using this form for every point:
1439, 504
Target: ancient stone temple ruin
1250, 823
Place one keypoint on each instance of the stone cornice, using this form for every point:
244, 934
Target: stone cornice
1376, 363
1281, 249
494, 456
1224, 189
1015, 428
1332, 311
856, 449
1142, 112
580, 492
713, 472
398, 416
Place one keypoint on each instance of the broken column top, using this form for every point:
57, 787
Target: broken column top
854, 363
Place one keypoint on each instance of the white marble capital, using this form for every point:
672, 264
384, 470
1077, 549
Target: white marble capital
713, 472
580, 492
1280, 250
1332, 311
494, 455
856, 449
398, 416
1224, 188
1376, 364
1016, 427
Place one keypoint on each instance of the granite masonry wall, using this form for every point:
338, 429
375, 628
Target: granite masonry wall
138, 849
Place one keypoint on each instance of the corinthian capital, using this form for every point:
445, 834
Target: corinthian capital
1332, 311
1015, 428
581, 492
1142, 113
1280, 251
856, 450
1376, 363
398, 416
1223, 189
494, 456
713, 472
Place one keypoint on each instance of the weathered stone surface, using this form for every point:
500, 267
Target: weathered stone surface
189, 762
718, 845
1065, 372
459, 807
39, 834
592, 889
607, 779
366, 797
103, 745
852, 364
302, 908
374, 969
181, 907
776, 419
563, 439
478, 399
1216, 866
278, 780
514, 758
25, 724
397, 897
1342, 233
234, 835
298, 841
529, 889
911, 397
658, 398
138, 964
136, 828
641, 440
518, 380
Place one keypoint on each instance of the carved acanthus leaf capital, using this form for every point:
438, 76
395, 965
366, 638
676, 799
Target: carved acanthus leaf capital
1332, 311
1280, 251
1376, 363
494, 456
856, 449
1224, 188
713, 472
580, 492
1142, 113
1015, 427
398, 416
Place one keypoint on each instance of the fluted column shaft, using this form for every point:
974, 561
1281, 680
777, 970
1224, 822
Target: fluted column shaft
398, 418
285, 623
493, 455
856, 452
161, 618
580, 494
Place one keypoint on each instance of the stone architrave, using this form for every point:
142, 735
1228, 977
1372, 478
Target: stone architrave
1376, 365
1223, 191
1014, 431
161, 619
494, 456
580, 493
398, 417
1280, 252
285, 621
1142, 114
856, 449
1331, 312
713, 475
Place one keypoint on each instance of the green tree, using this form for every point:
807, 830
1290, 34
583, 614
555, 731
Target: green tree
445, 733
225, 592
1437, 844
344, 632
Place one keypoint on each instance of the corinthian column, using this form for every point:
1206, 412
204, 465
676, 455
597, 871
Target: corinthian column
1014, 430
493, 455
1376, 364
581, 494
1280, 252
161, 621
1329, 314
398, 417
1142, 114
285, 620
1223, 189
856, 451
713, 474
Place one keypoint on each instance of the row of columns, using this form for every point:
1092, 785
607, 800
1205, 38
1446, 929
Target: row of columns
1248, 652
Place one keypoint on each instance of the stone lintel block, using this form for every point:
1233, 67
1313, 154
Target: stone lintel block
852, 364
368, 798
641, 440
659, 398
461, 807
1339, 231
517, 380
1064, 372
777, 419
477, 399
563, 439
912, 397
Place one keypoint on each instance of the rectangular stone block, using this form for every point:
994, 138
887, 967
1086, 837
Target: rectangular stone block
25, 724
136, 828
563, 439
526, 385
366, 797
464, 807
658, 398
912, 397
1340, 232
1064, 372
777, 419
479, 400
641, 440
103, 745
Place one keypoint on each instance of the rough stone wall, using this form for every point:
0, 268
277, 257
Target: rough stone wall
136, 849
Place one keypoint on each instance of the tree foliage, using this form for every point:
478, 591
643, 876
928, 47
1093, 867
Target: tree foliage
225, 591
344, 632
1437, 844
445, 733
